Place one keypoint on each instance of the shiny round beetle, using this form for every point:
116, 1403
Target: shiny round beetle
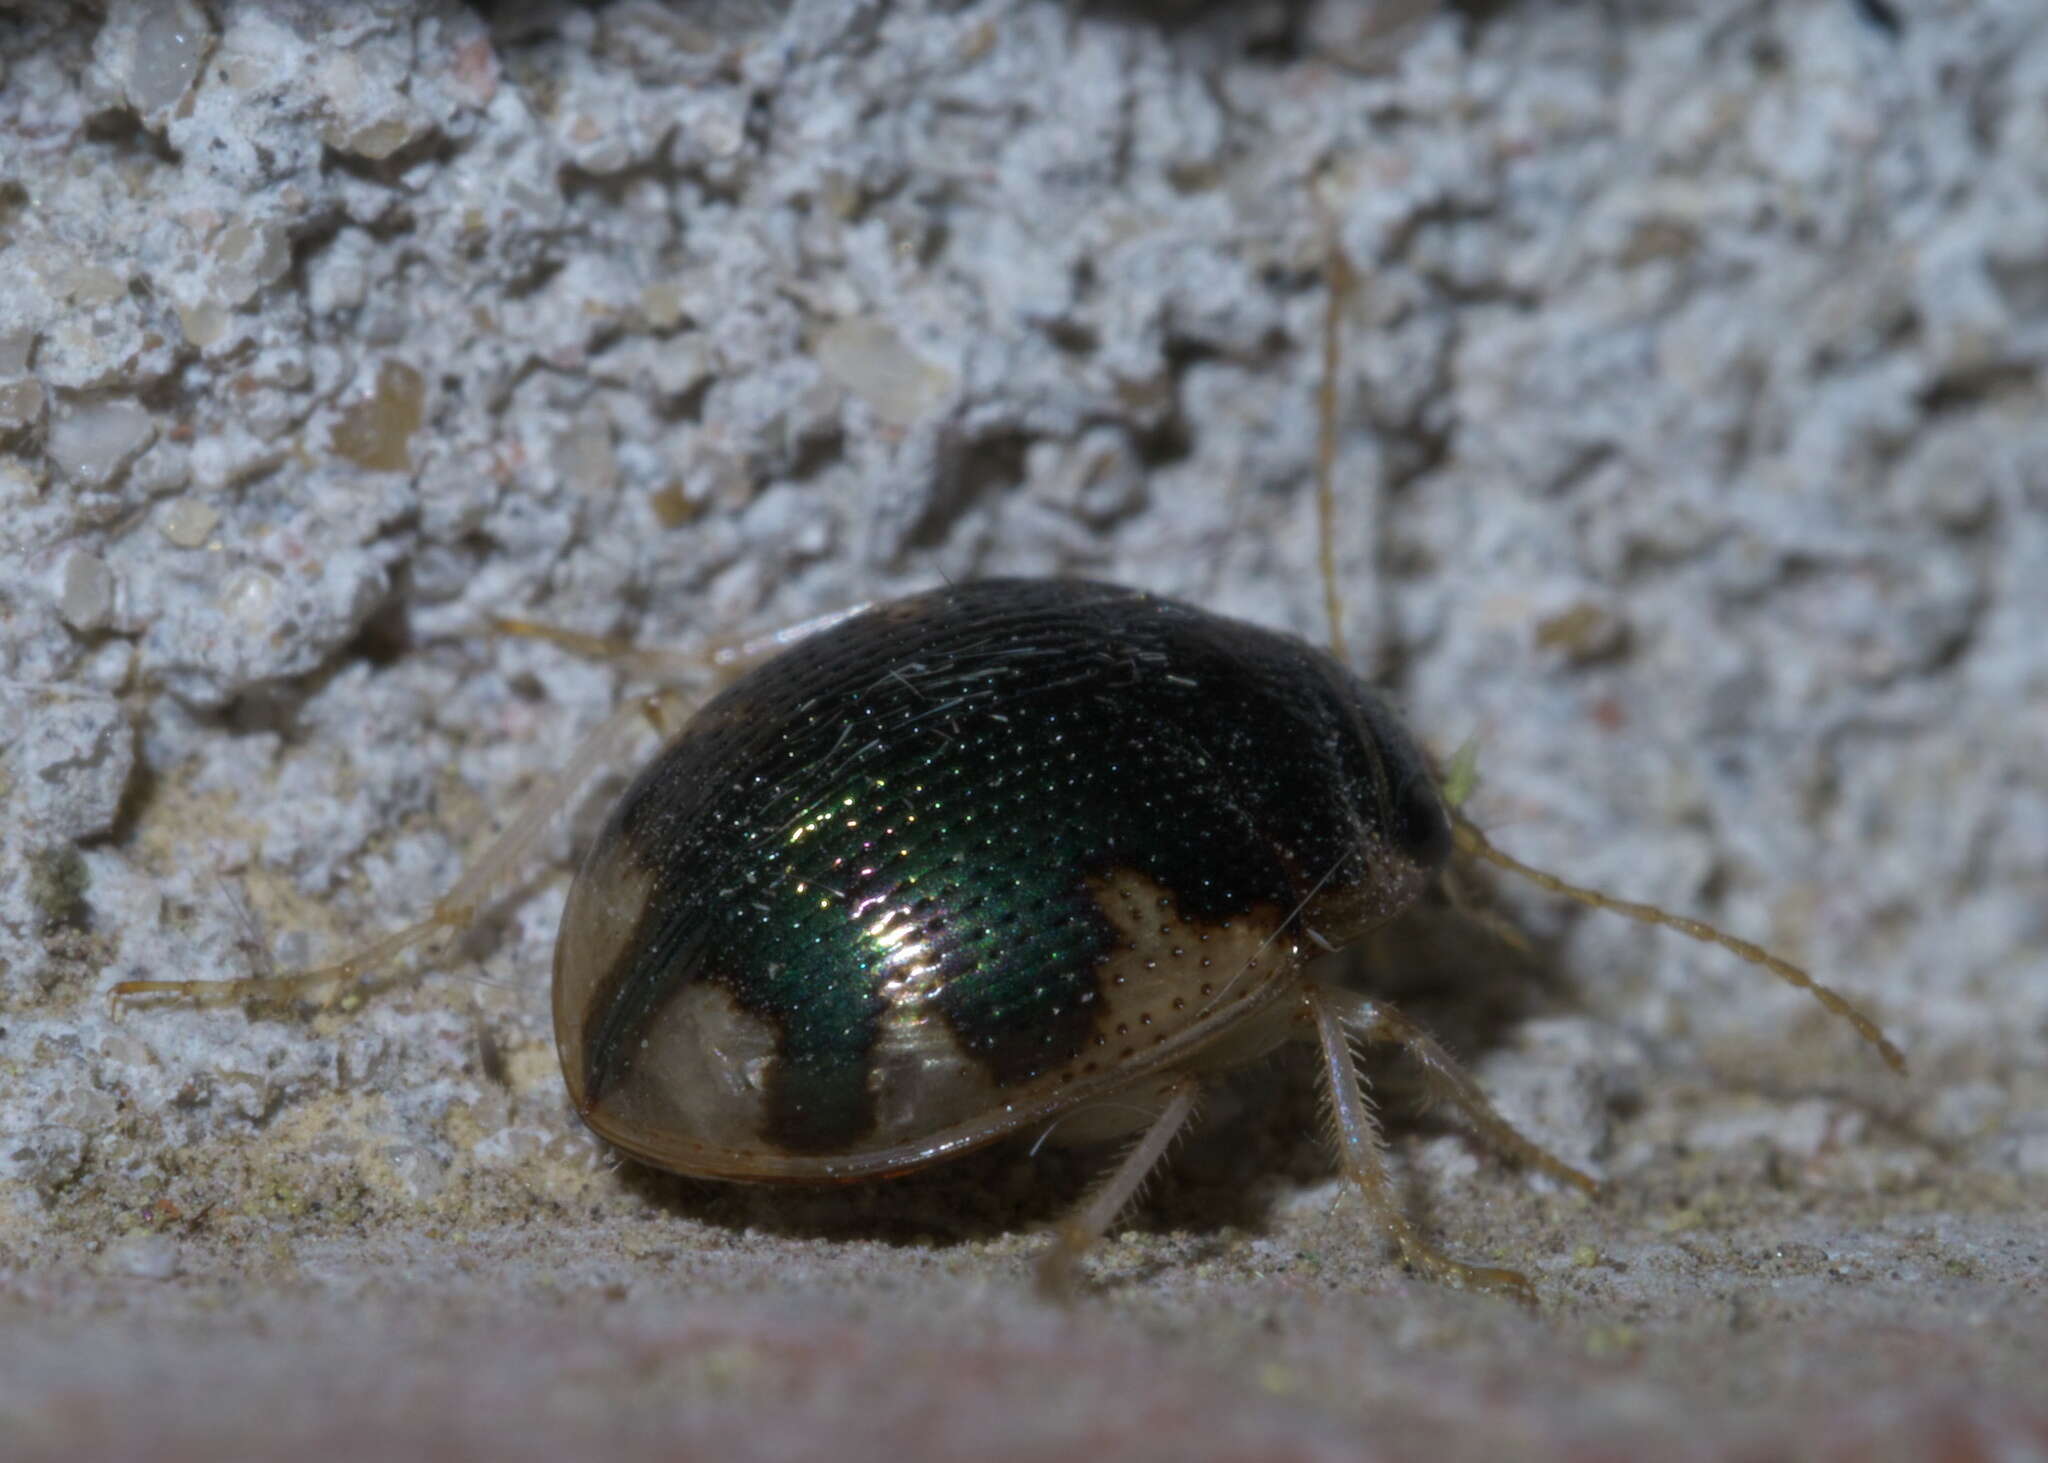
968, 860
987, 858
980, 858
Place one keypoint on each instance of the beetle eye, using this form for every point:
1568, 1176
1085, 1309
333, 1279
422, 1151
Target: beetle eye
1421, 828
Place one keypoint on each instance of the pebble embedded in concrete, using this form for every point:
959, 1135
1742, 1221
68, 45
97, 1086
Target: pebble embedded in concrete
170, 44
869, 358
92, 443
69, 758
21, 404
87, 597
188, 523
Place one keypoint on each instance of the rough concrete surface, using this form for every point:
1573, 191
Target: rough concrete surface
1694, 467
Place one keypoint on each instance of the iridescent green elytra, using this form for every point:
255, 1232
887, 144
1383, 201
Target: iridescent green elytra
968, 860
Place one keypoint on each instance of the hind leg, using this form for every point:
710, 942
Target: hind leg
1109, 1198
459, 906
664, 710
718, 660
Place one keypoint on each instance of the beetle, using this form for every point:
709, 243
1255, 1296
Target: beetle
1010, 852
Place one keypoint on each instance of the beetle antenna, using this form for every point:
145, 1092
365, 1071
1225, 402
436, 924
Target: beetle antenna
1341, 279
1471, 842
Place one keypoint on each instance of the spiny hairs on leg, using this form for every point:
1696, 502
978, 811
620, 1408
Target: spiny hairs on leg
1361, 1152
1471, 842
1113, 1193
1376, 1022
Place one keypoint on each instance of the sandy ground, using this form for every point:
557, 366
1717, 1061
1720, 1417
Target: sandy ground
1693, 469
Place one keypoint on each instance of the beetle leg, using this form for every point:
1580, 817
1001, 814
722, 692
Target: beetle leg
1109, 1198
1380, 1024
1363, 1154
1465, 900
456, 909
719, 660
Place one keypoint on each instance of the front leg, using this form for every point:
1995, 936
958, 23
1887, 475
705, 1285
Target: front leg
1381, 1025
1362, 1153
